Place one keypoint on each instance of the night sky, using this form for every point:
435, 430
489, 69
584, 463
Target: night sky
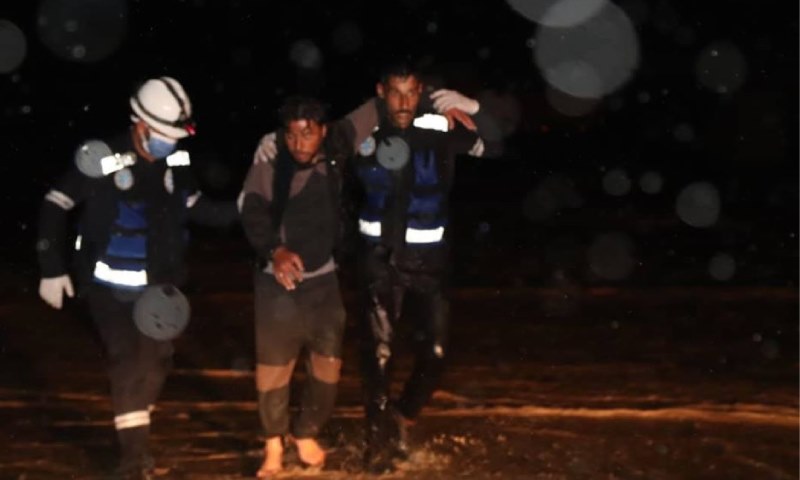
589, 189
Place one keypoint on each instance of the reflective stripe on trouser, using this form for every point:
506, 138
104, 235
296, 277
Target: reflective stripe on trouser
311, 316
137, 364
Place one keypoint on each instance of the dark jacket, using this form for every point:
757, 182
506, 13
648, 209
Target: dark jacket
132, 227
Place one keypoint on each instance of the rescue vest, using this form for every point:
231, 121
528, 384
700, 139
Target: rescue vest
417, 189
124, 262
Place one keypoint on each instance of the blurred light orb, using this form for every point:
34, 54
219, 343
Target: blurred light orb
611, 256
698, 204
505, 113
651, 182
13, 46
89, 156
568, 105
393, 153
722, 267
683, 133
82, 30
550, 196
721, 67
617, 182
770, 349
557, 13
305, 54
161, 312
591, 60
347, 38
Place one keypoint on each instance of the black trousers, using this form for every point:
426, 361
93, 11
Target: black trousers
137, 366
391, 295
310, 318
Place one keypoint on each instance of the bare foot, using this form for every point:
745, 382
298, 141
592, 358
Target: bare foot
273, 458
310, 452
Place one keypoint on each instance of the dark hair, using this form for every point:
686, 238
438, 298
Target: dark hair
302, 108
401, 67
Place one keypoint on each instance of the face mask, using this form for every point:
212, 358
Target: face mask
159, 148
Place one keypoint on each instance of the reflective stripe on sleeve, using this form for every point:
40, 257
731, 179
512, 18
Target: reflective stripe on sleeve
60, 199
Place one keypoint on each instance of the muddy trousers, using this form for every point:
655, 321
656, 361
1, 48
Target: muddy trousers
390, 297
309, 319
137, 367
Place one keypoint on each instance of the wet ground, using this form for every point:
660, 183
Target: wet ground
603, 383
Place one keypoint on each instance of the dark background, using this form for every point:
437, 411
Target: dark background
233, 57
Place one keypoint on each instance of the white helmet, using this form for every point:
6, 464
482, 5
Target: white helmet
163, 104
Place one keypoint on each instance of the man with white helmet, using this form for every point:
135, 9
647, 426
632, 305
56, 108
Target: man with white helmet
137, 194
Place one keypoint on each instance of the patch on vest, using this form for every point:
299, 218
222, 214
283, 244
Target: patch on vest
169, 181
123, 179
367, 147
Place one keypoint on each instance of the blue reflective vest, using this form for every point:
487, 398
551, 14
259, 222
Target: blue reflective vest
405, 205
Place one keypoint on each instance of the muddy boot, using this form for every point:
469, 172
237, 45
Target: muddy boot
399, 437
379, 454
134, 469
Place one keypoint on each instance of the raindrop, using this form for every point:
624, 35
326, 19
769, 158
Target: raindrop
504, 110
770, 349
484, 53
756, 337
611, 256
549, 197
698, 204
616, 182
432, 27
683, 133
557, 13
393, 153
722, 267
78, 52
82, 30
721, 68
643, 97
305, 54
651, 182
13, 47
25, 109
592, 60
484, 227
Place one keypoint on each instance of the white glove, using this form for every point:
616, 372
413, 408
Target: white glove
444, 100
52, 290
267, 149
